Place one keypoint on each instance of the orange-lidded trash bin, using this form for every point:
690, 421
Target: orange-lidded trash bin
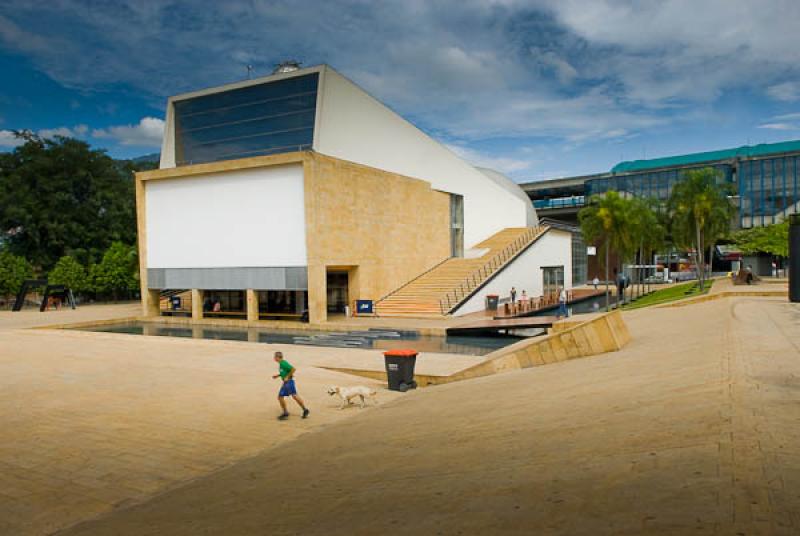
400, 369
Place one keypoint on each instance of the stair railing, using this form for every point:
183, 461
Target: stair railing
478, 276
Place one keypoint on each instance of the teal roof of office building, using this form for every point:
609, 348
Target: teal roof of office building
745, 151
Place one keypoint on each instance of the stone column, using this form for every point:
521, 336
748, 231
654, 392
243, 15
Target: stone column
149, 329
252, 305
150, 302
317, 294
197, 304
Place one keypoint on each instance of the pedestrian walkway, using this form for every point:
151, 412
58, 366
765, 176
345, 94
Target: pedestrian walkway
691, 428
531, 306
92, 422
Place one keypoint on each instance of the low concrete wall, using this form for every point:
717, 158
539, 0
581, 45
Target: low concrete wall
727, 294
601, 334
605, 333
245, 324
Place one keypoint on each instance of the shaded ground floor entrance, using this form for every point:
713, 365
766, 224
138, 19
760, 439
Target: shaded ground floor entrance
337, 288
282, 304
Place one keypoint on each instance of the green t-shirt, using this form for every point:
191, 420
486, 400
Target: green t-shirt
284, 368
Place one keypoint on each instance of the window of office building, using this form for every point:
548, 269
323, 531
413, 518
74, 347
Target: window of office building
768, 190
650, 184
269, 118
580, 260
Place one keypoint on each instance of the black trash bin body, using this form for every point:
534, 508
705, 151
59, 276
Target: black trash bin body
491, 302
400, 369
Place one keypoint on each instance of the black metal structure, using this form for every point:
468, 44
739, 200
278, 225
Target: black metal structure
794, 258
49, 291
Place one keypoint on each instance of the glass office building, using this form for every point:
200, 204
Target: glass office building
768, 190
762, 179
655, 184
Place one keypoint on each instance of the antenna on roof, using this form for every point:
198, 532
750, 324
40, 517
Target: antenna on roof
286, 66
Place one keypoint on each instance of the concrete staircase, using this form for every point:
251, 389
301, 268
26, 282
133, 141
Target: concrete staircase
438, 291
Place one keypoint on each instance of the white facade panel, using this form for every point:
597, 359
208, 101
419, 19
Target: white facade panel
353, 126
244, 218
554, 248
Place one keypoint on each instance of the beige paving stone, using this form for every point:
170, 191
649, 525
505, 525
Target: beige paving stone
682, 431
93, 421
691, 428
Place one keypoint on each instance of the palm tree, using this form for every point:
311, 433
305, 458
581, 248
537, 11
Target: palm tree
700, 212
647, 229
607, 219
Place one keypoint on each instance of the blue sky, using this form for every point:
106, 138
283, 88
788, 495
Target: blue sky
536, 89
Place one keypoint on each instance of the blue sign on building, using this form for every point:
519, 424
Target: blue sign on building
363, 307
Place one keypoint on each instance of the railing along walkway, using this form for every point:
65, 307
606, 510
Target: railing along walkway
474, 280
530, 305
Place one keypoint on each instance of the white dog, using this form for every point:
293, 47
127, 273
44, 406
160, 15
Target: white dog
350, 394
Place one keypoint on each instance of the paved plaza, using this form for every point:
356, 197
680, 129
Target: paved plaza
90, 422
692, 428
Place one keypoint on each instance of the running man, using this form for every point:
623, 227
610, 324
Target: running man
286, 373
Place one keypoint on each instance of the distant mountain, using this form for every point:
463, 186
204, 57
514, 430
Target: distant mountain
154, 158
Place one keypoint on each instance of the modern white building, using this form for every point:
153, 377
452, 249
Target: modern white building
301, 192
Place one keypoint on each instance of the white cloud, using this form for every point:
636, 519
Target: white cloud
148, 132
78, 131
687, 50
572, 70
788, 121
786, 91
504, 164
7, 139
779, 126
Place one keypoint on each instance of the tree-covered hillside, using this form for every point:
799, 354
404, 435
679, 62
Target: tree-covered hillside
61, 198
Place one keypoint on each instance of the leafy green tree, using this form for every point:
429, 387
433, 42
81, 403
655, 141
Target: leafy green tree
772, 239
14, 270
700, 212
607, 220
118, 272
59, 197
68, 272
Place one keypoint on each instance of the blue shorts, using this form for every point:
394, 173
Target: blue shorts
287, 389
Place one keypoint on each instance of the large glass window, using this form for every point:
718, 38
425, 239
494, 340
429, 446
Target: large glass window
273, 117
552, 280
655, 184
580, 260
456, 225
767, 189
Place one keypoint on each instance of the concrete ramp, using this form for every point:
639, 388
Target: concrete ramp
602, 333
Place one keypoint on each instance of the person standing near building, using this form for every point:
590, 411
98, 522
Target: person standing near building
562, 303
595, 282
513, 295
286, 372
